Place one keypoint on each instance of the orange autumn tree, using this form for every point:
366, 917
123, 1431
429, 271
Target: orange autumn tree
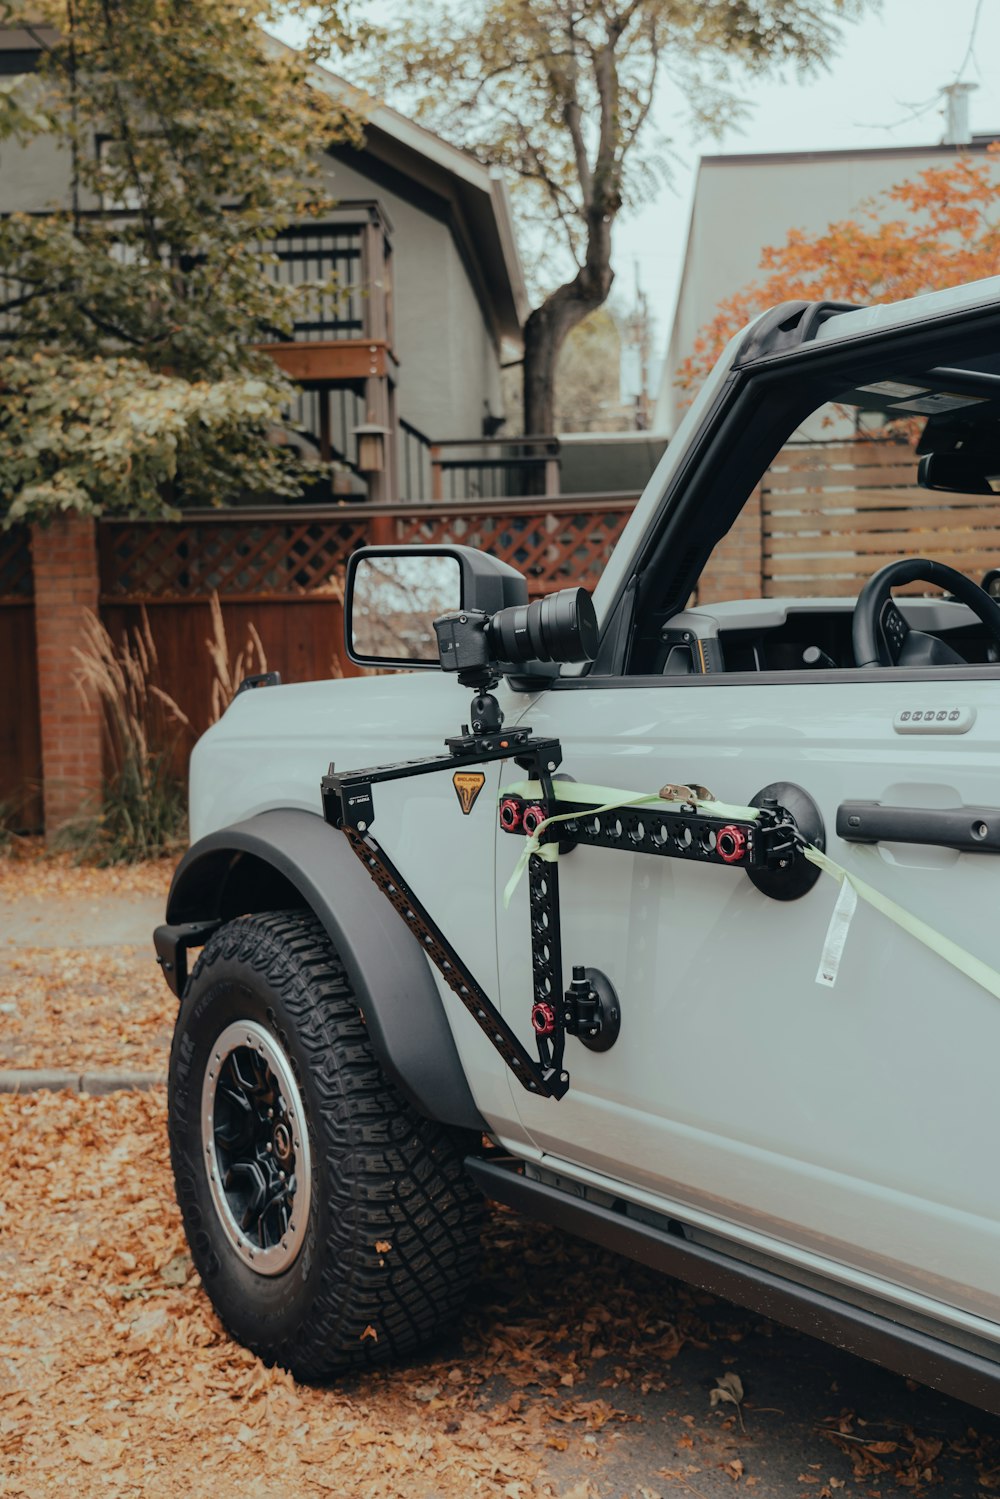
950, 234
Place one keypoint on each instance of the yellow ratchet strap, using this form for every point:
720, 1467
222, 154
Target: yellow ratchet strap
677, 798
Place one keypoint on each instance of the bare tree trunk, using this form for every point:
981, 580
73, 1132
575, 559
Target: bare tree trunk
548, 326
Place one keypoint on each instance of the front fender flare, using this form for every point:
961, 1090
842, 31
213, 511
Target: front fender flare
285, 858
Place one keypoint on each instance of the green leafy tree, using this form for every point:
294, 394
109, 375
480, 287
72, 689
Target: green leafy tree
558, 93
129, 380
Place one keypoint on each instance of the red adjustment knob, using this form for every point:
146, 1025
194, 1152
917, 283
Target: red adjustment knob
543, 1018
730, 843
510, 814
531, 817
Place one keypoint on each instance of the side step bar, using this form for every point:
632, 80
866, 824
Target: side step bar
917, 1355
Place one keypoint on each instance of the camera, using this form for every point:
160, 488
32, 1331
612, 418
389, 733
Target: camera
559, 627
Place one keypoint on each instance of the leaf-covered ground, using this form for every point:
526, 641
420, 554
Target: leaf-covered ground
71, 1007
28, 871
574, 1373
67, 1005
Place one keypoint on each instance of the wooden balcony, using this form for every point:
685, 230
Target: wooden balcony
339, 361
343, 333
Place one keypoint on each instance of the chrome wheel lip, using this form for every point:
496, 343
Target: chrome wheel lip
279, 1257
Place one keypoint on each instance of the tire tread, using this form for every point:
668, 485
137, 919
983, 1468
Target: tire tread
391, 1174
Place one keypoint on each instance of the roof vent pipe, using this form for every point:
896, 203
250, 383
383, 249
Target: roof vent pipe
956, 97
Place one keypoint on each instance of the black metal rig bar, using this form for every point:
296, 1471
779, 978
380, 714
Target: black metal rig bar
677, 832
766, 848
348, 804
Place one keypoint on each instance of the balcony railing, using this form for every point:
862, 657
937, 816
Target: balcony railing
343, 262
491, 468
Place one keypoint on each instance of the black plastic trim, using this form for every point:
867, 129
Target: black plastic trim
285, 857
971, 829
787, 678
172, 943
879, 1338
788, 326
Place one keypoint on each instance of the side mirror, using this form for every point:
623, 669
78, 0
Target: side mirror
394, 595
959, 473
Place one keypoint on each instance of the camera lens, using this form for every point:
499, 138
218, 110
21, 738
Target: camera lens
560, 627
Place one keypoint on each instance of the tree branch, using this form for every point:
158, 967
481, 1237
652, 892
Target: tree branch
128, 145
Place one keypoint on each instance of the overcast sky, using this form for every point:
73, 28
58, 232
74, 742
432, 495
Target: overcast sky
881, 89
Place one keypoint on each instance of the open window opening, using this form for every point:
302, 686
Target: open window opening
818, 478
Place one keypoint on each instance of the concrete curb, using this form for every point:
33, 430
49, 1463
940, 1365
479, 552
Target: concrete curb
54, 1080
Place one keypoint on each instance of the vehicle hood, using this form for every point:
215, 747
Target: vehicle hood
274, 744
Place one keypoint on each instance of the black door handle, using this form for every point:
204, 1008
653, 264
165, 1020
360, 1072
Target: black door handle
971, 828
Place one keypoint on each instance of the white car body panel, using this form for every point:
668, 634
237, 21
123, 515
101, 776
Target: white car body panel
855, 1121
271, 748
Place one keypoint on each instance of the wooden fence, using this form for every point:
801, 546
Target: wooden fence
283, 571
823, 519
832, 513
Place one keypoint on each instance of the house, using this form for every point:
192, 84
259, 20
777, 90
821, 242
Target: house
422, 241
745, 203
399, 388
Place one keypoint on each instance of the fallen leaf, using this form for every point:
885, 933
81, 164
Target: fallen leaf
176, 1271
728, 1390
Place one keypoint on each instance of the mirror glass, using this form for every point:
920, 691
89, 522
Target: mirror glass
395, 602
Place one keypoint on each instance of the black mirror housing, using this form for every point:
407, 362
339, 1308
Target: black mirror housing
486, 584
959, 473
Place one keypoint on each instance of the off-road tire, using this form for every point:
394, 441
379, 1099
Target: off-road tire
393, 1223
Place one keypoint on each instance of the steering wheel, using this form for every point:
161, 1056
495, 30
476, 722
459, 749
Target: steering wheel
880, 634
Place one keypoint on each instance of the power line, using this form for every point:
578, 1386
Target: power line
970, 49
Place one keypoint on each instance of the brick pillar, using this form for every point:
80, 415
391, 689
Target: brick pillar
64, 555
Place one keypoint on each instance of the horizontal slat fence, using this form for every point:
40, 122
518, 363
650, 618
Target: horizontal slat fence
20, 733
833, 513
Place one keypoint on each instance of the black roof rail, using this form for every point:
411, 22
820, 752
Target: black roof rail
787, 326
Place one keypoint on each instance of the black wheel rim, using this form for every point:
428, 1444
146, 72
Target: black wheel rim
256, 1147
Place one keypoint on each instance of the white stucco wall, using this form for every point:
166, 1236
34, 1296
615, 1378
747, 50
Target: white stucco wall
742, 204
449, 368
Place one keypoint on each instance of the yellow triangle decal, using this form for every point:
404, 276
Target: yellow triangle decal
468, 784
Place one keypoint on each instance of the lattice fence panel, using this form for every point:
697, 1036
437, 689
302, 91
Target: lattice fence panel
551, 550
15, 565
833, 513
235, 558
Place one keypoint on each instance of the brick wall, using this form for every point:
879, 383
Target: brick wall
64, 555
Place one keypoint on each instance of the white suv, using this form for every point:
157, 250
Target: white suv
736, 1013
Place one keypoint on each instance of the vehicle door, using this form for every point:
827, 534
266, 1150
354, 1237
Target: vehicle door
856, 1125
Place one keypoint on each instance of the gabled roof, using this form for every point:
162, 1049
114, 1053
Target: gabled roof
481, 213
476, 196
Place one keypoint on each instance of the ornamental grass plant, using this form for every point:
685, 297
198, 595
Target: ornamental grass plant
143, 808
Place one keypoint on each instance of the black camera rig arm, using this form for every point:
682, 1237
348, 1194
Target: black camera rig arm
767, 846
765, 841
348, 804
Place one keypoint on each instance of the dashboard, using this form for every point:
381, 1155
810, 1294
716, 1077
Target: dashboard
803, 634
